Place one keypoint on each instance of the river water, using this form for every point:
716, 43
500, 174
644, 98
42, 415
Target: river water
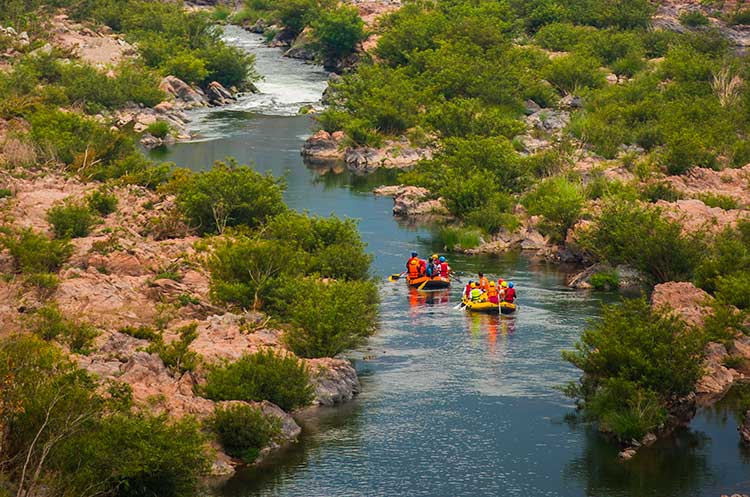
451, 404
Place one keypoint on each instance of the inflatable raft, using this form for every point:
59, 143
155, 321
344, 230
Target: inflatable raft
489, 307
436, 283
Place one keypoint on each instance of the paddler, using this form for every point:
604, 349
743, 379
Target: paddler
492, 294
510, 293
484, 283
413, 265
445, 269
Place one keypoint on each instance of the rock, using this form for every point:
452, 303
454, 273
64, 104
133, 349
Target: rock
571, 101
549, 120
612, 79
729, 182
695, 216
183, 93
259, 27
323, 146
222, 337
118, 263
303, 47
393, 155
531, 107
218, 95
627, 454
717, 378
628, 277
151, 142
412, 201
684, 299
335, 381
744, 429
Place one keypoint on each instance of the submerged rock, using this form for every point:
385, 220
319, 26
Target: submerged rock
324, 146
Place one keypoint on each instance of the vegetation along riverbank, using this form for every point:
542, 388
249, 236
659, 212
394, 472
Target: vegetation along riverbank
155, 326
607, 133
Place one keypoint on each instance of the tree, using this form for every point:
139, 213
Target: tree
339, 31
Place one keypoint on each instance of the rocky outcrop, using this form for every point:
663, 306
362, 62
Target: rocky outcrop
689, 303
696, 216
335, 381
100, 48
413, 201
303, 47
218, 95
668, 14
525, 238
324, 146
627, 277
393, 155
729, 182
744, 428
185, 96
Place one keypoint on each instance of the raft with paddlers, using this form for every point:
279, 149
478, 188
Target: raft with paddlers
427, 283
489, 307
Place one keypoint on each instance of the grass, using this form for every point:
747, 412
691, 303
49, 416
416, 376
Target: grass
453, 238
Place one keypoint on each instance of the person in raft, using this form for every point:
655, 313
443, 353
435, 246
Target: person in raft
484, 283
415, 267
467, 289
476, 292
433, 267
445, 269
510, 292
492, 294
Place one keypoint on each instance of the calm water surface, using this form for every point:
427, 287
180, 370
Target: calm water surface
451, 404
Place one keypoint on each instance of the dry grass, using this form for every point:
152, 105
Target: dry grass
726, 86
16, 152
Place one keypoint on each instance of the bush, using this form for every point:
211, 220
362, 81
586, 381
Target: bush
561, 37
265, 375
177, 355
33, 252
230, 66
660, 190
49, 324
453, 238
742, 16
717, 200
326, 318
633, 360
734, 289
338, 31
693, 19
71, 220
626, 233
102, 201
229, 195
243, 430
560, 202
572, 73
141, 332
186, 67
606, 280
5, 193
159, 129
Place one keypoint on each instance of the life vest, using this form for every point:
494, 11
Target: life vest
437, 270
412, 267
510, 295
484, 283
467, 291
492, 292
445, 269
476, 295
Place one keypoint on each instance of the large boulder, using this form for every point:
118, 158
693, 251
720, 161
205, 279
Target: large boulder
324, 146
684, 299
184, 94
412, 201
335, 381
393, 155
218, 95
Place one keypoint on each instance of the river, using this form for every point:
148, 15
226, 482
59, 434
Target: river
451, 404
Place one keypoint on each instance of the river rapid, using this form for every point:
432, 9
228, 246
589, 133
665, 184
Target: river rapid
451, 404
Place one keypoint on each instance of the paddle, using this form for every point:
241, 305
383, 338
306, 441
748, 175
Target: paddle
396, 277
420, 287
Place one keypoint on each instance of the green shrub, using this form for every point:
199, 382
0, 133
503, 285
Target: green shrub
33, 252
5, 193
572, 73
243, 430
265, 375
187, 67
132, 455
102, 201
453, 238
49, 324
561, 37
176, 354
71, 220
230, 66
633, 360
734, 362
685, 151
725, 202
560, 202
338, 31
626, 233
693, 19
606, 280
734, 289
141, 332
159, 129
742, 16
229, 195
728, 253
47, 282
660, 190
326, 318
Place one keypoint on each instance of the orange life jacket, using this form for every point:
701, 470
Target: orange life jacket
492, 292
484, 283
412, 267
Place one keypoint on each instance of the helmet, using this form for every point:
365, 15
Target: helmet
442, 259
492, 284
434, 256
510, 284
414, 254
475, 285
504, 284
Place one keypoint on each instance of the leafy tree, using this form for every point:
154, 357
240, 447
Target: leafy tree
560, 202
243, 430
338, 31
229, 195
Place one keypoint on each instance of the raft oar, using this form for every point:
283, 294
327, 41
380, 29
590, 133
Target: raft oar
420, 287
396, 277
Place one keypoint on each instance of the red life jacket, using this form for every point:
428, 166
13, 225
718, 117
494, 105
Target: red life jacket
445, 269
422, 267
467, 291
510, 295
412, 267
